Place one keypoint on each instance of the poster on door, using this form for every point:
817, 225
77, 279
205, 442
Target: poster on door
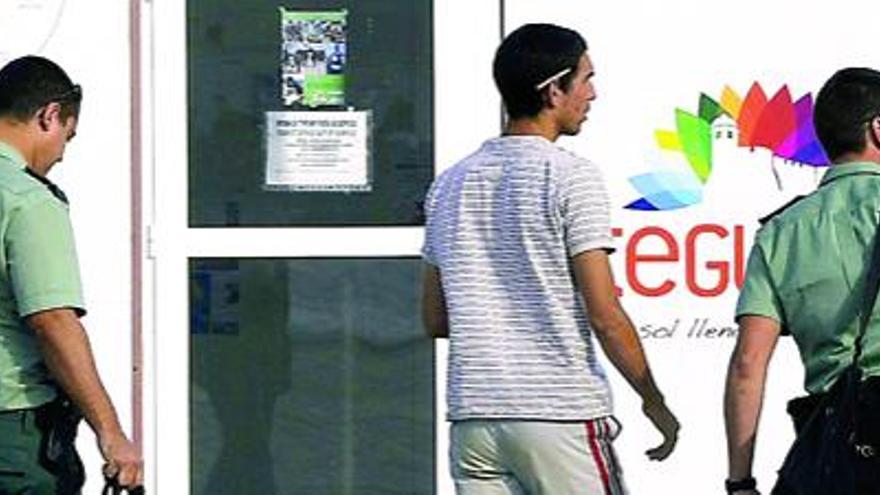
313, 57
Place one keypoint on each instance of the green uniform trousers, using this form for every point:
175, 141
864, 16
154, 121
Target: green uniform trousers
32, 462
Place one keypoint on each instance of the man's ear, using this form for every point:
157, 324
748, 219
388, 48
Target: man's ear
47, 114
874, 131
43, 119
551, 94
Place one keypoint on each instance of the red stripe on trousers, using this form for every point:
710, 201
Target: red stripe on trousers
597, 456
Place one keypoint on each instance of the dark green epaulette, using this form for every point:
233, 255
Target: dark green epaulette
779, 210
54, 189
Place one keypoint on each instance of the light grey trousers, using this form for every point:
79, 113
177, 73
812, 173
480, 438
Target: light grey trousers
509, 457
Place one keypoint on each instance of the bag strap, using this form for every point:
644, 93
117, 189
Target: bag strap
869, 296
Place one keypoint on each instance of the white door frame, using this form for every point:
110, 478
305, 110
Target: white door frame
465, 109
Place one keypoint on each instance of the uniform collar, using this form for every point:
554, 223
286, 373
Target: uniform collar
847, 169
51, 186
11, 155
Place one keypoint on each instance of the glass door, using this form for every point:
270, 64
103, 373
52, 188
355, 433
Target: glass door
288, 354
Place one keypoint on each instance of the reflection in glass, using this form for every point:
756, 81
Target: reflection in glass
310, 377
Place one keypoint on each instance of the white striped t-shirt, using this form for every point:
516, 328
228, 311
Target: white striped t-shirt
502, 225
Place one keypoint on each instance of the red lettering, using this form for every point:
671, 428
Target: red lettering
722, 267
633, 258
695, 244
739, 265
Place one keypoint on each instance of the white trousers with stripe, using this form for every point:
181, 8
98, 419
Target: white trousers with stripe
511, 457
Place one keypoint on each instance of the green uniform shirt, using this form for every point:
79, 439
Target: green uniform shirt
38, 271
807, 271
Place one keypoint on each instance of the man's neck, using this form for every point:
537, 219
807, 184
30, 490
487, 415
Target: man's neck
539, 125
867, 156
15, 135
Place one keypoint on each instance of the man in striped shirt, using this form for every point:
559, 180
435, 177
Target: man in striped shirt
517, 277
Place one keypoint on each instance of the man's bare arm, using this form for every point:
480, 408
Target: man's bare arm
744, 392
68, 354
621, 344
434, 304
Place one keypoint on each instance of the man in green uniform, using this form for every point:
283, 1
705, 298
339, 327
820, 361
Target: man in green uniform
806, 272
47, 372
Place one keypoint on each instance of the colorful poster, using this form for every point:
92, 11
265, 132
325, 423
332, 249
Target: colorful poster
318, 151
313, 57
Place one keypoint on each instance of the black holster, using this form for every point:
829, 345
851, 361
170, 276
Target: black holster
868, 427
58, 421
867, 431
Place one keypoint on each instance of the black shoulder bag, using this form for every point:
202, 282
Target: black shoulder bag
832, 436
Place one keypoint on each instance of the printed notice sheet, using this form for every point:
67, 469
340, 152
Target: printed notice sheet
318, 151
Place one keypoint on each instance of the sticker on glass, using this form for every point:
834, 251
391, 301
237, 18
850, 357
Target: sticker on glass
313, 57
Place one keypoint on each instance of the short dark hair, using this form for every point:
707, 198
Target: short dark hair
29, 83
844, 107
529, 56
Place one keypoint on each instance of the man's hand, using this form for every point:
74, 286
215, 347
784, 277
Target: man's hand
122, 460
68, 355
665, 422
619, 340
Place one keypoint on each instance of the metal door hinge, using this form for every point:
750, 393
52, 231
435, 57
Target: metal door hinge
150, 243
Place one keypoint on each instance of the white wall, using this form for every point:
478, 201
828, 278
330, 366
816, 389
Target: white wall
651, 58
90, 40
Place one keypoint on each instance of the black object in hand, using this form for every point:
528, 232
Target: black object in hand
112, 487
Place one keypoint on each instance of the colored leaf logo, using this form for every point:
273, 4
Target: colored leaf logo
779, 125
